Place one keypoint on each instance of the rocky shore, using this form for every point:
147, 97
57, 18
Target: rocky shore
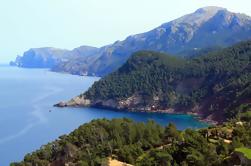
132, 104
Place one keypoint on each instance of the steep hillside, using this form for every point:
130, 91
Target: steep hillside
216, 86
204, 29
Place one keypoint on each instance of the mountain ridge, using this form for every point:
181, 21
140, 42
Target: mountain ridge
207, 27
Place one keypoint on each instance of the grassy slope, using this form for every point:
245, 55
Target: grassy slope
245, 151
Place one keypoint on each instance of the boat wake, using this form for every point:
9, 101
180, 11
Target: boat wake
37, 113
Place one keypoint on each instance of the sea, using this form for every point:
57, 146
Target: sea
28, 119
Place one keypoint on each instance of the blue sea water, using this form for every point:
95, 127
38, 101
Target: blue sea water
28, 119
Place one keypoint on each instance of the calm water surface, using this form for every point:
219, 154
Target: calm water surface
29, 120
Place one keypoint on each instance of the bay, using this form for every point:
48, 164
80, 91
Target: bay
28, 119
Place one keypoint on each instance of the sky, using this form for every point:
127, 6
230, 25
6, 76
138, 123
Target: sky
69, 24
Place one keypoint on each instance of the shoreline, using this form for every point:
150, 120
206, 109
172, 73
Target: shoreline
207, 121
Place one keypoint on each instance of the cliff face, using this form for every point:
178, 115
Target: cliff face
137, 103
40, 58
49, 57
214, 86
132, 103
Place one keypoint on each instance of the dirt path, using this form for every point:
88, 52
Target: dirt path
113, 162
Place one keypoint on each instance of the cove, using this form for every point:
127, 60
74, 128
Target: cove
28, 119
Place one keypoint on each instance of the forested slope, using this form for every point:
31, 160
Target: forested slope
215, 86
146, 145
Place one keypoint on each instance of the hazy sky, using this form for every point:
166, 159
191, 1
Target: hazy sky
71, 23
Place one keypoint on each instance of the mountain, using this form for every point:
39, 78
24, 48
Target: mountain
146, 144
49, 57
206, 28
215, 87
39, 57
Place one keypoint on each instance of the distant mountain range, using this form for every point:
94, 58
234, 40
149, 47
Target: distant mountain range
205, 29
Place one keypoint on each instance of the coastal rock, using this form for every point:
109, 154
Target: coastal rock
77, 101
61, 104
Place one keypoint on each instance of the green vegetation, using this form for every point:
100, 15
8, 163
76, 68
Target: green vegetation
219, 82
143, 144
245, 151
